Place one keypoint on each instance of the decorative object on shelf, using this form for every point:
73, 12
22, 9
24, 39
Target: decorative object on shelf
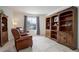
56, 19
3, 25
68, 18
55, 24
68, 23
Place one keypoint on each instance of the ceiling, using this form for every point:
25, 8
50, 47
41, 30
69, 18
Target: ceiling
35, 9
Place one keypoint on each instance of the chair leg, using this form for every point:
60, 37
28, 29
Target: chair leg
17, 50
31, 46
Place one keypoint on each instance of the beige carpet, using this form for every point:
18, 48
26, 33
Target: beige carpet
40, 44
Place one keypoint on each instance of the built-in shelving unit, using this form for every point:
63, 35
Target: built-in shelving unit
48, 19
63, 27
66, 19
54, 25
3, 29
48, 23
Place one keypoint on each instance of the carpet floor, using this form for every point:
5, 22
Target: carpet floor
40, 44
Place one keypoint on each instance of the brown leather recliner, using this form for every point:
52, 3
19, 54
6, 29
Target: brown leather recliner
21, 41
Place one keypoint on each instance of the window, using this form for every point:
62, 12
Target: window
31, 23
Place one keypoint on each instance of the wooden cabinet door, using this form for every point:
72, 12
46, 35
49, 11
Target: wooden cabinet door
66, 38
4, 38
70, 42
48, 33
62, 38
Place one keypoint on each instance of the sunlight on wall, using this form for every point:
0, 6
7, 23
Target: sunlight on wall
14, 24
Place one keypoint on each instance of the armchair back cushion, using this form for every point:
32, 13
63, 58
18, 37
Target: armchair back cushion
18, 28
15, 33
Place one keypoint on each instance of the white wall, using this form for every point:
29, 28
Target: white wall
42, 24
78, 27
19, 19
9, 13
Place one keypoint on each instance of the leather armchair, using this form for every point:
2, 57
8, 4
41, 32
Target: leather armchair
21, 42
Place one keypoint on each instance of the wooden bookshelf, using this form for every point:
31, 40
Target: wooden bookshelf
48, 27
3, 29
63, 27
54, 25
47, 23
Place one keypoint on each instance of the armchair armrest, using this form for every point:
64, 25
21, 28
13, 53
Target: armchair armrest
24, 34
24, 38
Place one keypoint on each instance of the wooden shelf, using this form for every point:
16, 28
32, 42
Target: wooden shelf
65, 20
67, 15
54, 22
65, 26
54, 34
54, 26
54, 30
47, 23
